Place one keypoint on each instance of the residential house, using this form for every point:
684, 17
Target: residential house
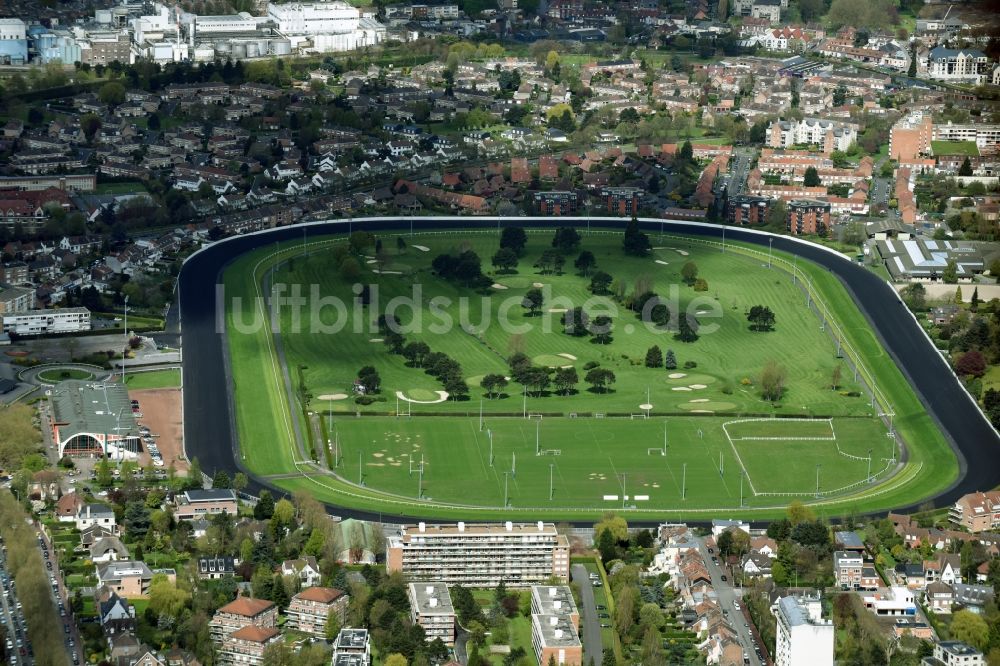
847, 566
954, 653
305, 569
108, 549
68, 506
212, 568
116, 615
199, 503
939, 597
756, 565
96, 514
245, 646
978, 511
128, 578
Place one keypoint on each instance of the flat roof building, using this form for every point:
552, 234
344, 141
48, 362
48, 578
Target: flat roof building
954, 653
480, 554
803, 637
352, 648
554, 600
431, 608
555, 636
46, 322
92, 418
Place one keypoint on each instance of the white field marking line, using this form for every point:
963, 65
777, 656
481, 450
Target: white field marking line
738, 458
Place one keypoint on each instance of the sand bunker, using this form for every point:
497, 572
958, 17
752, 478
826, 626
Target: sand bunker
683, 253
497, 285
557, 310
442, 396
677, 375
378, 455
680, 388
662, 263
333, 396
372, 261
422, 248
699, 400
569, 356
537, 285
702, 411
376, 340
698, 386
375, 270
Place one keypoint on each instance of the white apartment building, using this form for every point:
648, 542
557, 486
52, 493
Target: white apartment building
954, 653
828, 134
983, 135
957, 65
12, 28
847, 568
15, 299
803, 637
480, 554
431, 608
228, 23
554, 600
41, 322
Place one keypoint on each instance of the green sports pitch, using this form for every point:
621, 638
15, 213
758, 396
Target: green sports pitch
302, 427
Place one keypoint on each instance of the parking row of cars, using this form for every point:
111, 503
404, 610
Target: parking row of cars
64, 616
148, 438
17, 646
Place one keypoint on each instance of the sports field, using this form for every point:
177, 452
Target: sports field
599, 436
590, 459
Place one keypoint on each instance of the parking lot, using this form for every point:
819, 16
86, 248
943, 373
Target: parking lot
160, 421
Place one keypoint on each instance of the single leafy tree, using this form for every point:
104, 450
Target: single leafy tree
600, 379
835, 377
532, 301
689, 272
585, 262
654, 357
669, 360
414, 352
566, 239
635, 242
687, 330
369, 379
811, 178
600, 330
971, 363
514, 238
966, 168
601, 281
772, 381
575, 322
761, 318
505, 259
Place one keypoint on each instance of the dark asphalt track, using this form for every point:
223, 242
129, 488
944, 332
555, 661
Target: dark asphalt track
210, 430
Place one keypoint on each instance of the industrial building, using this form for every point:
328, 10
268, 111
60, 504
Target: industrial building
93, 419
480, 554
925, 260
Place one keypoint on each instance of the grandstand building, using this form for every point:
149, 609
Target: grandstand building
93, 419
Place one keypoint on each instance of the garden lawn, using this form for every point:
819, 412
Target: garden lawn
968, 148
154, 379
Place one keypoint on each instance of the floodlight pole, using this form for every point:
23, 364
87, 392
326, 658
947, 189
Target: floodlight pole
769, 241
722, 465
551, 465
684, 474
817, 479
513, 464
524, 402
360, 476
623, 490
538, 443
741, 489
869, 465
420, 478
664, 437
480, 415
505, 496
490, 433
723, 237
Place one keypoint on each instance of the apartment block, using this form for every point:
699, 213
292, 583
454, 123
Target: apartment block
245, 647
242, 612
431, 608
977, 512
622, 201
555, 203
847, 569
42, 322
352, 648
745, 209
480, 554
554, 600
806, 216
803, 637
310, 609
555, 637
194, 504
954, 653
911, 137
15, 299
827, 134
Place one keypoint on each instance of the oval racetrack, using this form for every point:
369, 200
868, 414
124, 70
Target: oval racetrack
210, 429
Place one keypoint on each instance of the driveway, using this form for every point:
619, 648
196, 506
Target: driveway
590, 624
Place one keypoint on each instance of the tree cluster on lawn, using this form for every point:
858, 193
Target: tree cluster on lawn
418, 354
536, 379
635, 243
463, 267
18, 435
772, 381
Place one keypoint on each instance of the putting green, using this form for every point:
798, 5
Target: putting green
421, 394
551, 361
711, 405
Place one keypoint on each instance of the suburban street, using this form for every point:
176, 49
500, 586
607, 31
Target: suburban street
61, 599
739, 170
727, 594
590, 624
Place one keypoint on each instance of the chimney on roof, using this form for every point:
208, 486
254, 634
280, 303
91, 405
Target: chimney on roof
429, 589
510, 526
461, 526
422, 527
541, 526
558, 634
552, 591
433, 602
553, 620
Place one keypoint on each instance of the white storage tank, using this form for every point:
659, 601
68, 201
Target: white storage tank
281, 47
239, 50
